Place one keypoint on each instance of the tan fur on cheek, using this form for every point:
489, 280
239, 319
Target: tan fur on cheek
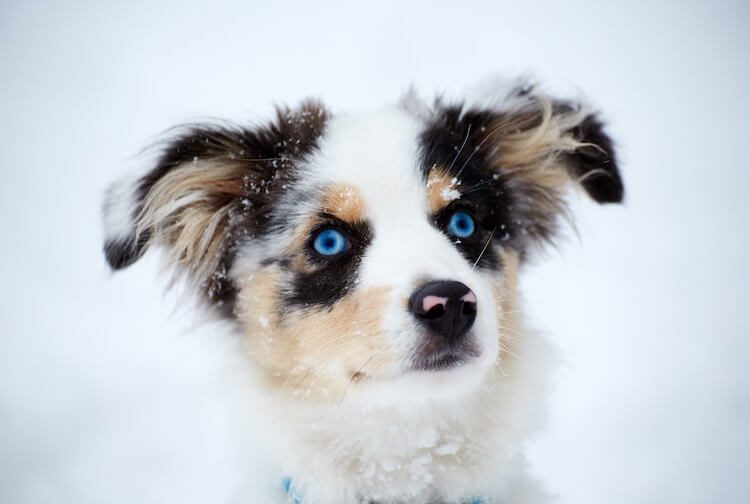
316, 353
256, 308
506, 295
442, 188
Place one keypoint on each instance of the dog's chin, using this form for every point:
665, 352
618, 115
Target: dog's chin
446, 376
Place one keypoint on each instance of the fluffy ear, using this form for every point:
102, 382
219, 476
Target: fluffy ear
537, 136
536, 131
540, 146
211, 187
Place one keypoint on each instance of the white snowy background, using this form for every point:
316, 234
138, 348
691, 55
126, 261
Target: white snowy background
108, 393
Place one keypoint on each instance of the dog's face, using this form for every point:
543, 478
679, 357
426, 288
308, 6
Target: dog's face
370, 255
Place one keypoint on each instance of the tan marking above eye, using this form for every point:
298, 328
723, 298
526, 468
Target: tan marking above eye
442, 189
344, 202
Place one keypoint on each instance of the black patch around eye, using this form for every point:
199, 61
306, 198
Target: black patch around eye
333, 276
455, 140
475, 248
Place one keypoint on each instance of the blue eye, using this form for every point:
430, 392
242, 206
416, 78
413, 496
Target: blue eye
330, 242
461, 225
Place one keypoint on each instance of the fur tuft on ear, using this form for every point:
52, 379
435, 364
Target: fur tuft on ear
542, 136
211, 188
536, 128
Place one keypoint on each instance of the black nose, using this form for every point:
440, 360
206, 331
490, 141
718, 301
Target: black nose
447, 308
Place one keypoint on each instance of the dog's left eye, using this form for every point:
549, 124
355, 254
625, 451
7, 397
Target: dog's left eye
330, 242
461, 225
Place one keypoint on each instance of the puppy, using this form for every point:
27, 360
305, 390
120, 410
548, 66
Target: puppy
371, 263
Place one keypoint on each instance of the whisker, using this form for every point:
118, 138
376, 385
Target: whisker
484, 249
478, 147
351, 379
468, 131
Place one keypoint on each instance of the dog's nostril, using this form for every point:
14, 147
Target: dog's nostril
447, 308
435, 312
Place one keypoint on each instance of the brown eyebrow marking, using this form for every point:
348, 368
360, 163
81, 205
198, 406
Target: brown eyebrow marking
338, 201
344, 202
442, 189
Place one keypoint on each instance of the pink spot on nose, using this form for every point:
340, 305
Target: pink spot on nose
469, 297
430, 302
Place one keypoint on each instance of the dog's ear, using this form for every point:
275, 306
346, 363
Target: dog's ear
538, 146
535, 134
211, 187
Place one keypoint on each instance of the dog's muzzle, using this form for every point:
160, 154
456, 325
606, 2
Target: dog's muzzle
447, 310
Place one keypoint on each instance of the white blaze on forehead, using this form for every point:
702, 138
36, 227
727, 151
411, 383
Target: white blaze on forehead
375, 152
378, 153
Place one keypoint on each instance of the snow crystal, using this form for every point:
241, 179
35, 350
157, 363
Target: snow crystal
427, 438
263, 321
390, 464
449, 448
450, 194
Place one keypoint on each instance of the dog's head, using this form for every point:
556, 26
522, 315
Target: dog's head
375, 254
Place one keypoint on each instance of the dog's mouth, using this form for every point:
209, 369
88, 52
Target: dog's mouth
439, 362
431, 357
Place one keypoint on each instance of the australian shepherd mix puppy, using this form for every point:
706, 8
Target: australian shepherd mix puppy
371, 263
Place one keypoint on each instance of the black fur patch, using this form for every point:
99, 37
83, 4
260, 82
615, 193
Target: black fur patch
511, 211
595, 165
332, 277
453, 142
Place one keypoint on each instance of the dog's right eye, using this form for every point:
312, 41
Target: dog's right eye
330, 242
461, 225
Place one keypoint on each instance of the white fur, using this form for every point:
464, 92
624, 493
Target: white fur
120, 205
499, 93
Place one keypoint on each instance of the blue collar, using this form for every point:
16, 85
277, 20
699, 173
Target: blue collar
297, 498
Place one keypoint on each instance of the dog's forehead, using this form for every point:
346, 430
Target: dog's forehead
377, 155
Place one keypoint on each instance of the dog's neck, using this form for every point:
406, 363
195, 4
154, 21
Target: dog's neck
338, 452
